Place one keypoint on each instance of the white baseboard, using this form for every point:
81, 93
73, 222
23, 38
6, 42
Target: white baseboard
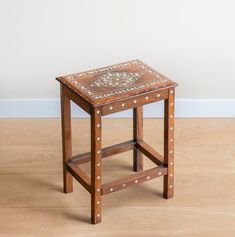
185, 108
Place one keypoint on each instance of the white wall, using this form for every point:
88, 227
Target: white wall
192, 42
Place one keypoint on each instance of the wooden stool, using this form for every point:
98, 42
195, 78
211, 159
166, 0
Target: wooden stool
109, 90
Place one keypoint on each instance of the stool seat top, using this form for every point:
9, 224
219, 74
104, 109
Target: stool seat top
116, 82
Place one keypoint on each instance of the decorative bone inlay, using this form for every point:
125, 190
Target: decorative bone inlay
119, 79
116, 79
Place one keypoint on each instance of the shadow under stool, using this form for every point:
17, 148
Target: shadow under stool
108, 90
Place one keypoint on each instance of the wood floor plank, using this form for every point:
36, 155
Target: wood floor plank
182, 222
32, 202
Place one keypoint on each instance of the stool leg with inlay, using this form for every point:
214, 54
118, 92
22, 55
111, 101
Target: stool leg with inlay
66, 140
96, 165
168, 187
137, 136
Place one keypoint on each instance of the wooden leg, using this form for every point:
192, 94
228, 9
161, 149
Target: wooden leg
66, 140
96, 166
137, 135
169, 145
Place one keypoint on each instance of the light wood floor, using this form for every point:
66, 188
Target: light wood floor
32, 202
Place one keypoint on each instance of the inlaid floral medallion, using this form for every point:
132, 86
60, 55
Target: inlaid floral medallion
116, 79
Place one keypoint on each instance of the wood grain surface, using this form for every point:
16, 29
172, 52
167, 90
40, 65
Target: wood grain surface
32, 202
112, 83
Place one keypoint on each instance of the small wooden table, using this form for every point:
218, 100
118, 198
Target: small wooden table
108, 90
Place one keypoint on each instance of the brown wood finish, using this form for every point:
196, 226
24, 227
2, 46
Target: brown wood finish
66, 139
132, 179
134, 101
168, 185
106, 152
148, 151
77, 99
80, 176
108, 90
96, 166
147, 81
137, 136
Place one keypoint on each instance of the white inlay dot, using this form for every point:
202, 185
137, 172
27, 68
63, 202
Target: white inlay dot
124, 185
98, 215
171, 91
98, 111
146, 98
98, 164
98, 202
171, 152
158, 95
171, 163
171, 128
98, 138
98, 125
135, 101
159, 173
171, 116
98, 190
136, 181
171, 175
98, 177
171, 186
110, 107
172, 104
111, 189
148, 177
123, 104
171, 140
98, 152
